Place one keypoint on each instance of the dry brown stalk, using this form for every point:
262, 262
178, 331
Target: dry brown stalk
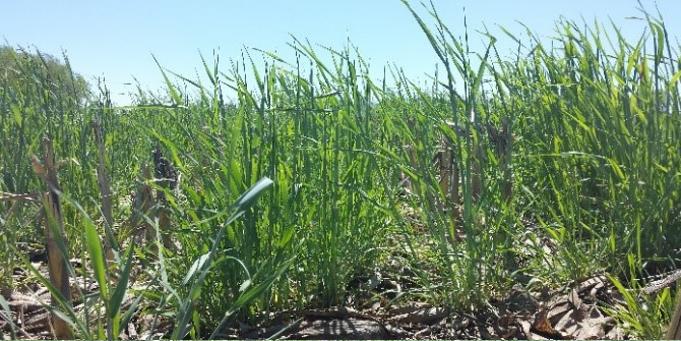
142, 205
149, 208
54, 227
674, 330
167, 177
502, 139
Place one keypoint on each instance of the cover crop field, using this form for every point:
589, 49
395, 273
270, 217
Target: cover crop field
534, 194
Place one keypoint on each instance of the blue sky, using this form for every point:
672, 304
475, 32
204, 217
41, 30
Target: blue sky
115, 39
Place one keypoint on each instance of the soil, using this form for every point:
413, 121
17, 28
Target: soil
575, 313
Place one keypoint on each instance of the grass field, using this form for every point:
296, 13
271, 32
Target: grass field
535, 171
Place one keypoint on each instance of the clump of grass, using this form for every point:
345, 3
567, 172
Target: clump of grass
643, 315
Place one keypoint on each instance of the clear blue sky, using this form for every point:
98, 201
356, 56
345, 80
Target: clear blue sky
115, 39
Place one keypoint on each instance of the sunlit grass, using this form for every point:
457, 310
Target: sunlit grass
576, 143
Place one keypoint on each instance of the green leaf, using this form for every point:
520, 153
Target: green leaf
94, 248
125, 319
286, 237
675, 78
659, 33
119, 291
242, 203
196, 266
66, 308
6, 315
246, 199
174, 94
424, 27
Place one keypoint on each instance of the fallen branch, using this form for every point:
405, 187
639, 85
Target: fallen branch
660, 284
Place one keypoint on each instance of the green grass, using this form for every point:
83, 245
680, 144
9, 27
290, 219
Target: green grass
581, 138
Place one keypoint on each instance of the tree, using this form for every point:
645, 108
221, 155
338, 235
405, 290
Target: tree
31, 73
